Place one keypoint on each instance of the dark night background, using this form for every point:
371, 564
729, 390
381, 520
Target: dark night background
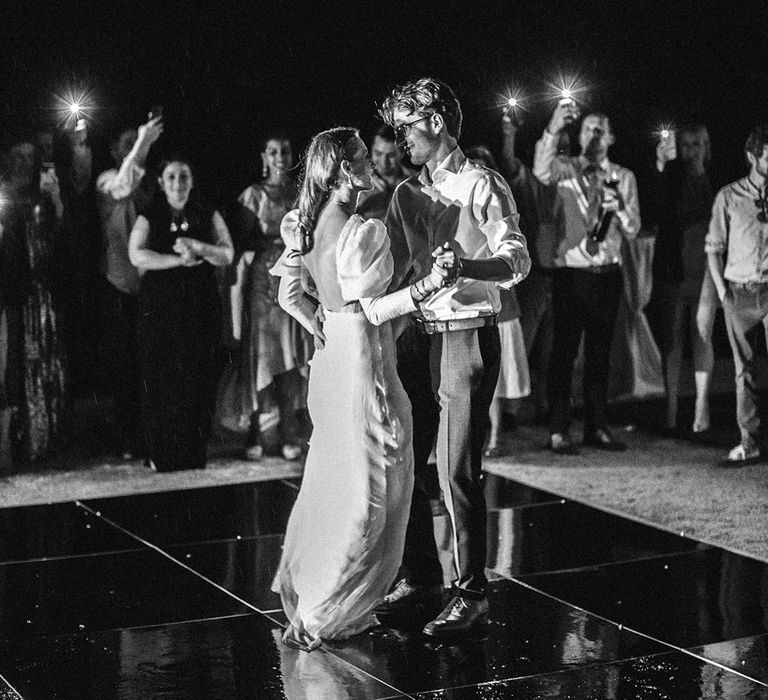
227, 73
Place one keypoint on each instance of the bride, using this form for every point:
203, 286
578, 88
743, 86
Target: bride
345, 535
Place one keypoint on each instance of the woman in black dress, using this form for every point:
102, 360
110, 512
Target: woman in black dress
176, 244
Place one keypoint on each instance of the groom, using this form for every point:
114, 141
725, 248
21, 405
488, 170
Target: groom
448, 358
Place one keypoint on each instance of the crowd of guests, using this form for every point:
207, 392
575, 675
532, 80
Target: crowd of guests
126, 282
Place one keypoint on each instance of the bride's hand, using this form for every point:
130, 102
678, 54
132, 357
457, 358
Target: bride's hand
438, 276
317, 328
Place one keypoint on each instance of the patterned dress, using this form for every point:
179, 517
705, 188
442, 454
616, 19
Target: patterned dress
272, 341
45, 382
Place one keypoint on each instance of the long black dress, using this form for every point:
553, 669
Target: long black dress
179, 335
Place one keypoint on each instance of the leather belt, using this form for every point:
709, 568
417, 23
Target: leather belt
750, 287
458, 324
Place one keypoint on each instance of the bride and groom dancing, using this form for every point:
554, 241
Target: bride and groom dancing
408, 340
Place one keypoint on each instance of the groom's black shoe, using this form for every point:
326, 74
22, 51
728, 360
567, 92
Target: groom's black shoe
461, 615
404, 596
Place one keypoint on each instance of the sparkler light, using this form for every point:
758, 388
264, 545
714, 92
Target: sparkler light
512, 102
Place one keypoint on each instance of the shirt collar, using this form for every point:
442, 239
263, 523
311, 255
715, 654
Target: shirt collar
451, 165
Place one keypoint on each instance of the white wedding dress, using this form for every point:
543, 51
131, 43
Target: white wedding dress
344, 540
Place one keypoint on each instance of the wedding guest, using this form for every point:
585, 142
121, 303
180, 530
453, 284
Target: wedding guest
683, 291
76, 170
596, 207
535, 202
388, 173
31, 221
122, 192
514, 379
738, 261
176, 243
274, 349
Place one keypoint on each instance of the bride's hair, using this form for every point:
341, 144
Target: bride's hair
322, 163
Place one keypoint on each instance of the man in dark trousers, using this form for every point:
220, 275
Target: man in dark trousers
596, 207
448, 358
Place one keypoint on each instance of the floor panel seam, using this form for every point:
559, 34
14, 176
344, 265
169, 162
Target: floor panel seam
642, 521
240, 600
602, 565
621, 627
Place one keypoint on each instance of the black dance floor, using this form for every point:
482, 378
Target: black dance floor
167, 596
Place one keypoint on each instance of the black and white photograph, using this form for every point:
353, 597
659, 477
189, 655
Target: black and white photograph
373, 351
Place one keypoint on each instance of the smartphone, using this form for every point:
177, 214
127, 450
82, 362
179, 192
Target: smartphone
669, 140
155, 111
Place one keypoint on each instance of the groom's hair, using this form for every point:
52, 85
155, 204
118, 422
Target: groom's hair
425, 97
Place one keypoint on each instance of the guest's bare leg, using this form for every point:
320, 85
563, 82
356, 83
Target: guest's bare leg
703, 352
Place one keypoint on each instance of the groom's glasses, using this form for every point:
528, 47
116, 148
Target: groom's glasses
402, 130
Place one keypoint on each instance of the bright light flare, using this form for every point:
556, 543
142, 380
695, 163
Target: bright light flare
74, 105
512, 103
566, 89
664, 131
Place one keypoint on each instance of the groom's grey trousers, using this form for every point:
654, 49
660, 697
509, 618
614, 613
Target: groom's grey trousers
450, 379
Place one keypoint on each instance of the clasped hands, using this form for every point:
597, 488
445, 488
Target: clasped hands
445, 267
188, 250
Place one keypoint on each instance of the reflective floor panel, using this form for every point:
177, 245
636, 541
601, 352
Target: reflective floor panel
167, 595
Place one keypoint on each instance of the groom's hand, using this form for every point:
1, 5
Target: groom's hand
446, 258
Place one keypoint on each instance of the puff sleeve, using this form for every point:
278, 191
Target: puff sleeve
365, 268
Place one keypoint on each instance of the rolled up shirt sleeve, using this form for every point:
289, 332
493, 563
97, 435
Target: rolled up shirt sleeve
717, 235
122, 183
496, 215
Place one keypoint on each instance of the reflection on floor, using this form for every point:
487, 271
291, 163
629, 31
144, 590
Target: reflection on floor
166, 595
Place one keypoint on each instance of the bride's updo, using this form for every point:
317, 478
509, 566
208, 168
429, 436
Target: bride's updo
322, 163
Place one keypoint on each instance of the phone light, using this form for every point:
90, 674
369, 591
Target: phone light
566, 88
73, 105
664, 131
